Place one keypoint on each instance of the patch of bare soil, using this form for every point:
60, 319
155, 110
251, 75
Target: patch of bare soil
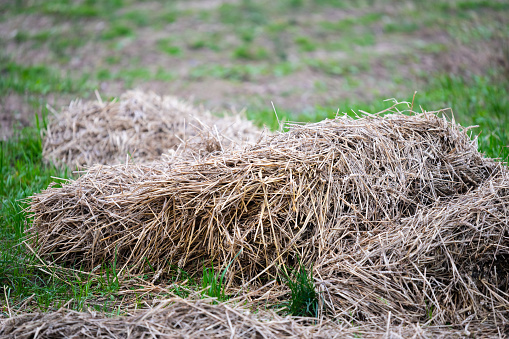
15, 112
18, 111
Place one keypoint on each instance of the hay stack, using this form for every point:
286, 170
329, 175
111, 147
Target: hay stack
383, 206
140, 125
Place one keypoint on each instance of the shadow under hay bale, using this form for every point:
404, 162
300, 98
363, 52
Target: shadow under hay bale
395, 212
141, 125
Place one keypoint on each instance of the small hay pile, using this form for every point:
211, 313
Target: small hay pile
175, 318
398, 214
141, 125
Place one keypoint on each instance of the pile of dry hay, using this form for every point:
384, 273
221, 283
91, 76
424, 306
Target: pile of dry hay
399, 215
180, 318
140, 125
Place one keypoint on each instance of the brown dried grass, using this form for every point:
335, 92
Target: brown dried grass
140, 125
181, 318
403, 220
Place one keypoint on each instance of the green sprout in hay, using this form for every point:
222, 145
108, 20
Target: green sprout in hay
213, 284
304, 299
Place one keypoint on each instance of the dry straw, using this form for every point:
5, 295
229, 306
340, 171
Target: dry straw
180, 318
399, 215
141, 125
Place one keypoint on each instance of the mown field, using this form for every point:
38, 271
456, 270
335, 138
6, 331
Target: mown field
311, 58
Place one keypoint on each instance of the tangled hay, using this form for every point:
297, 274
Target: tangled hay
399, 215
140, 125
180, 318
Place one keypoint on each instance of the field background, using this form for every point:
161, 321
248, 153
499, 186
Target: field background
311, 58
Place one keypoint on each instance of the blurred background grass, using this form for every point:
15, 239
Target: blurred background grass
312, 58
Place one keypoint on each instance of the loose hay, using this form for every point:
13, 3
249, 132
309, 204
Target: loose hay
180, 318
140, 125
400, 215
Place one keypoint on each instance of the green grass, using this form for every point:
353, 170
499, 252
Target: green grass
208, 40
65, 9
60, 42
243, 71
167, 46
305, 44
401, 26
140, 18
250, 52
117, 30
246, 12
475, 100
303, 300
352, 23
135, 75
38, 79
23, 173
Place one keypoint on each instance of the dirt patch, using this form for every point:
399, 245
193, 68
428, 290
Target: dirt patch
14, 112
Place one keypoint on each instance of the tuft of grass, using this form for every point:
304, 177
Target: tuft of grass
211, 40
21, 36
69, 10
352, 23
305, 44
117, 30
476, 5
213, 284
132, 76
398, 26
332, 3
304, 299
249, 52
166, 46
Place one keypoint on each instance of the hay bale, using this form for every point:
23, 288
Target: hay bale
361, 198
140, 125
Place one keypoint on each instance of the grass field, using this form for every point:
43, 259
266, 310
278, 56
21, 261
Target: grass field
311, 58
